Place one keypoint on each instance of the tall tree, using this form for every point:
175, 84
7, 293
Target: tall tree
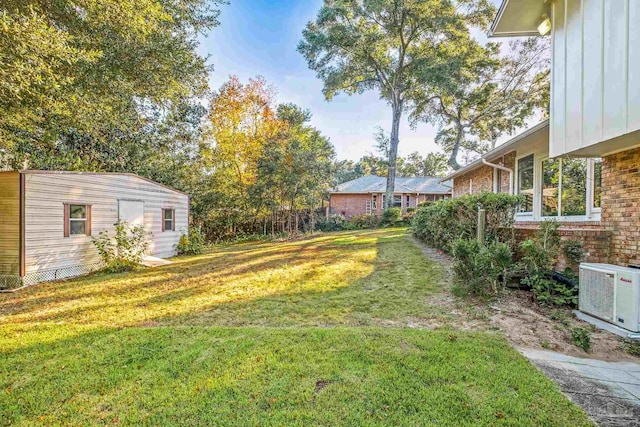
383, 45
488, 95
93, 67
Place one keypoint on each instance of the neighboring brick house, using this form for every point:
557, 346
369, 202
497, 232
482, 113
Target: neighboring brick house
593, 130
365, 195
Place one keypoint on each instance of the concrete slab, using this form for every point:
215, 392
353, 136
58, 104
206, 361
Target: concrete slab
608, 391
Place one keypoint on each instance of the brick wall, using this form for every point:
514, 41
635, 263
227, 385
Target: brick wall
621, 205
482, 177
595, 238
350, 204
355, 204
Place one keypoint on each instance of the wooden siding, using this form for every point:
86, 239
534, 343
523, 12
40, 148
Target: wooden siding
595, 89
46, 248
10, 223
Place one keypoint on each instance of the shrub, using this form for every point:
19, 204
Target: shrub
330, 223
538, 257
481, 269
360, 222
581, 337
441, 223
573, 251
391, 216
123, 251
191, 243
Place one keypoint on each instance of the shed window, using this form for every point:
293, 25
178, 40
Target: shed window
168, 220
77, 219
397, 201
408, 201
525, 182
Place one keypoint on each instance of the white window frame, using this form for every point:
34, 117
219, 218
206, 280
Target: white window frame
374, 202
592, 213
528, 215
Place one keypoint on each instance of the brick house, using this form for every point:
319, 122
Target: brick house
365, 195
582, 166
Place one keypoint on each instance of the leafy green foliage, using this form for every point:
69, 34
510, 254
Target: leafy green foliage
581, 337
487, 95
538, 257
360, 222
481, 270
573, 251
267, 169
391, 216
191, 243
123, 251
441, 223
394, 48
95, 66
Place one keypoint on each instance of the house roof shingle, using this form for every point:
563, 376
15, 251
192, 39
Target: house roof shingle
378, 184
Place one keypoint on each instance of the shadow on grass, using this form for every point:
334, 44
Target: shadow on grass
349, 278
265, 376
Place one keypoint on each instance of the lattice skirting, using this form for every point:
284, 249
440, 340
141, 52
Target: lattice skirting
12, 282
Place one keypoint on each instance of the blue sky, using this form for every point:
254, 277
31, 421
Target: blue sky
259, 37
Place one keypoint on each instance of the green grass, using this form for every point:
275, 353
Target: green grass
300, 333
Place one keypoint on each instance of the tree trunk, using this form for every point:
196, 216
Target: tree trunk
394, 140
453, 158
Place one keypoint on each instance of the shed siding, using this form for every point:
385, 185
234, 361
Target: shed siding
46, 248
10, 223
595, 74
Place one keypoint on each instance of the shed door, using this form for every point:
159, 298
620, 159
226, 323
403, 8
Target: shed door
131, 211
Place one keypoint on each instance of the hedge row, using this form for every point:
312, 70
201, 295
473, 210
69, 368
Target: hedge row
442, 223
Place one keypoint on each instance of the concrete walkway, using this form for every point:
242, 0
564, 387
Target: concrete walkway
608, 391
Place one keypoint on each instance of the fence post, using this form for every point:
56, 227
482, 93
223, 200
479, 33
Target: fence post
482, 220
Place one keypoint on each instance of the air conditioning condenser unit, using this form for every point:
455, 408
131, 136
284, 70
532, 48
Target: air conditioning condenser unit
611, 293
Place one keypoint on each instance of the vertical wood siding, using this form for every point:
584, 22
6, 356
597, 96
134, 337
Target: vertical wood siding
45, 244
595, 72
9, 223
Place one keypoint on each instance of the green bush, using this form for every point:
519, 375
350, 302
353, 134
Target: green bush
538, 258
391, 216
191, 243
573, 251
331, 223
581, 337
123, 251
360, 222
441, 223
481, 270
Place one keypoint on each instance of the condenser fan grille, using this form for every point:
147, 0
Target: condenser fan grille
597, 289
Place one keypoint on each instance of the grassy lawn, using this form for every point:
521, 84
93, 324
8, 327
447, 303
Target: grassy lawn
304, 333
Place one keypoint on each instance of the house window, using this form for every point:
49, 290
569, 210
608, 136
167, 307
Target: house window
564, 187
408, 201
550, 187
525, 182
498, 180
77, 220
374, 202
397, 201
168, 220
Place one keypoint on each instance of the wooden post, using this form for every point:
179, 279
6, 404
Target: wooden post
482, 219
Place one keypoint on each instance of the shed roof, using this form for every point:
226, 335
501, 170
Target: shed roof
42, 172
378, 184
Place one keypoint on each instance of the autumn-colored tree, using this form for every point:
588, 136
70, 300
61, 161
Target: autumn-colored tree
265, 163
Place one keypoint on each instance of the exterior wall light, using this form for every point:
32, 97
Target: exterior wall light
545, 26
